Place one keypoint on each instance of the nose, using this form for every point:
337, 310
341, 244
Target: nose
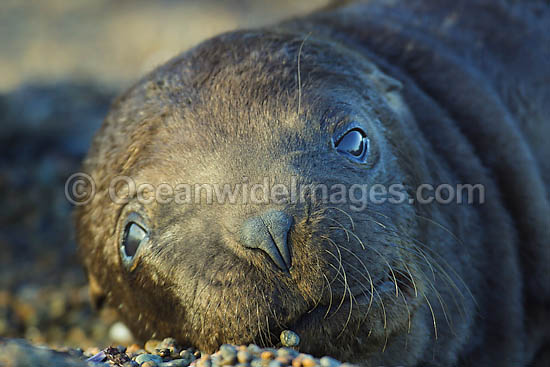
268, 232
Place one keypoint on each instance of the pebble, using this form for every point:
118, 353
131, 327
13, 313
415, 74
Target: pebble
120, 333
163, 352
243, 356
228, 355
174, 363
267, 355
167, 353
285, 361
289, 338
148, 357
204, 362
257, 363
254, 349
152, 345
170, 345
308, 362
187, 355
329, 362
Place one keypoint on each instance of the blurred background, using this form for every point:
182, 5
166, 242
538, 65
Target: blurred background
61, 63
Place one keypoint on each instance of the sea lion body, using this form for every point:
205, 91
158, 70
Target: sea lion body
440, 92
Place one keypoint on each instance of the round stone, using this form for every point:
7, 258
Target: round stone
175, 363
142, 358
119, 333
289, 338
243, 356
329, 362
308, 362
151, 345
267, 354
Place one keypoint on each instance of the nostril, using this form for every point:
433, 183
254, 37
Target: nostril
269, 233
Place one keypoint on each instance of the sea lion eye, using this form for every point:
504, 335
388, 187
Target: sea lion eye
354, 145
133, 237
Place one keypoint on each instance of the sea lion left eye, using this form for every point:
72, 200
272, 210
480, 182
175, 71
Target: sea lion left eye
134, 235
354, 145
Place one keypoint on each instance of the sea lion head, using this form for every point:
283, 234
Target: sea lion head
239, 113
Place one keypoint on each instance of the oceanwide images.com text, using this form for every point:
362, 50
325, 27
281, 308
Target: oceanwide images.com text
80, 189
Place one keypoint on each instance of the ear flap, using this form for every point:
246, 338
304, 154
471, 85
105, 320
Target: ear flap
97, 295
391, 89
385, 83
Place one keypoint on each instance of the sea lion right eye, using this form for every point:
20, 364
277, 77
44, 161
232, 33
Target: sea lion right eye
134, 236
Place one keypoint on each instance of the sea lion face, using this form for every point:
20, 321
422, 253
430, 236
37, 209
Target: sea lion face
255, 108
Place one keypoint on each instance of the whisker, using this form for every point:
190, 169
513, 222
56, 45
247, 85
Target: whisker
433, 315
346, 214
299, 73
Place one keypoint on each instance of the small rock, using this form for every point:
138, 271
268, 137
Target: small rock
175, 363
284, 360
289, 338
148, 364
267, 354
148, 358
228, 355
171, 345
329, 362
119, 333
163, 352
243, 356
152, 345
187, 355
254, 349
97, 358
121, 348
133, 349
308, 362
204, 362
275, 363
297, 362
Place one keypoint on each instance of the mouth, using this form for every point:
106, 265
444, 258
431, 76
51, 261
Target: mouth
394, 296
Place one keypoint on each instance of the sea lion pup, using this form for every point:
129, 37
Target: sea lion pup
394, 93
